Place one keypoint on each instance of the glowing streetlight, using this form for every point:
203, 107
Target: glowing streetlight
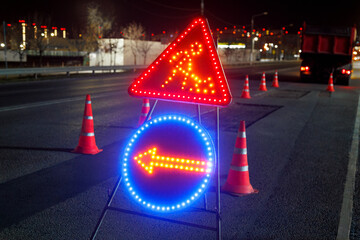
63, 32
252, 27
23, 31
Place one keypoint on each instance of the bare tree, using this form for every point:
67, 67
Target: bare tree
113, 43
114, 39
134, 31
144, 48
97, 27
96, 22
90, 43
40, 42
103, 49
16, 42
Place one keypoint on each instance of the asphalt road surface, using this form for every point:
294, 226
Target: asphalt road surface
300, 139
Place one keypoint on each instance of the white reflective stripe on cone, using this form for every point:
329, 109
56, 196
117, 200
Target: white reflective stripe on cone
242, 151
87, 134
143, 114
88, 102
147, 104
241, 135
88, 117
240, 169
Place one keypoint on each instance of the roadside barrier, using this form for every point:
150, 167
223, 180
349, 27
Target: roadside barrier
275, 82
246, 89
238, 181
330, 87
263, 83
87, 143
144, 111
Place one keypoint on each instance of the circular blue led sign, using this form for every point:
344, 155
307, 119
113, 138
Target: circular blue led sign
168, 162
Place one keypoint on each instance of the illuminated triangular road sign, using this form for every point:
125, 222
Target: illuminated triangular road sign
188, 70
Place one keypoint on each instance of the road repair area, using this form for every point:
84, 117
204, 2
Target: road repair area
301, 144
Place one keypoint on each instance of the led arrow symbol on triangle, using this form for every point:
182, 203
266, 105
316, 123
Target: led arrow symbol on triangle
150, 160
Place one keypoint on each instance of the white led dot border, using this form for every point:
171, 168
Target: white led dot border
187, 201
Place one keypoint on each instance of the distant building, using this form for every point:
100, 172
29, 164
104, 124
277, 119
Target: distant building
121, 51
12, 56
129, 52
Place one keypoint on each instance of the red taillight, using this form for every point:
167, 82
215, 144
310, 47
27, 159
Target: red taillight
304, 68
344, 71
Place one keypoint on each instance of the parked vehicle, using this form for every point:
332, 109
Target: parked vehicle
325, 50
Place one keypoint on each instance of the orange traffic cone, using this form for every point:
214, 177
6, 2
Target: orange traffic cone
246, 90
330, 87
275, 82
144, 111
238, 182
263, 83
87, 143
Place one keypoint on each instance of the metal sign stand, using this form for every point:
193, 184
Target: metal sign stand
217, 183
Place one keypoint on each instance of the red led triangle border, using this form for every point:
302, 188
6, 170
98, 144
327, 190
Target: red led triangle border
156, 81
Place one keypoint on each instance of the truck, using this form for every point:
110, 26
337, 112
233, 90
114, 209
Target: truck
326, 50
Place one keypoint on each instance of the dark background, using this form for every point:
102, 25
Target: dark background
159, 15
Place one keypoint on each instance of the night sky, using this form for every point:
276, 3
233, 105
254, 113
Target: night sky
158, 15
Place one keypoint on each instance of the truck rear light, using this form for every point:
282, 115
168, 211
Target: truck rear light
344, 71
304, 68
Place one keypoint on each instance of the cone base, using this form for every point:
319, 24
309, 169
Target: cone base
245, 95
93, 150
238, 190
275, 85
263, 89
330, 90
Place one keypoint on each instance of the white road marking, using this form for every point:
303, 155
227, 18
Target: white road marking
55, 101
347, 203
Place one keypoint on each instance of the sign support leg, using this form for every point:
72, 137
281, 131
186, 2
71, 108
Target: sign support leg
199, 113
108, 204
217, 144
151, 110
205, 202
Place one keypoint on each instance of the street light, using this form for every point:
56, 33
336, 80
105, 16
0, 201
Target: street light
251, 34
